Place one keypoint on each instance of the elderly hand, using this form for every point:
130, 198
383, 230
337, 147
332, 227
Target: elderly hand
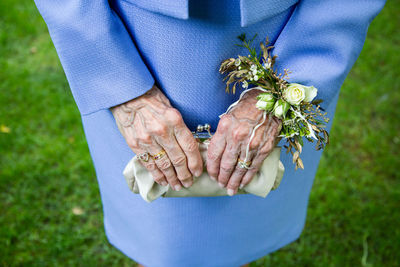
229, 142
149, 124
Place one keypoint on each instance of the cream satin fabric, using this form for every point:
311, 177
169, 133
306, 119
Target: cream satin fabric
267, 178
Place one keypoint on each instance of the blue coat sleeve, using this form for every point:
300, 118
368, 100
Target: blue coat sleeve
99, 57
322, 40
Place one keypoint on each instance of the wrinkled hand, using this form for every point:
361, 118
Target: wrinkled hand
149, 124
229, 142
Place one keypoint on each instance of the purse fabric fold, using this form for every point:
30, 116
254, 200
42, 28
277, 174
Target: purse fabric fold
266, 179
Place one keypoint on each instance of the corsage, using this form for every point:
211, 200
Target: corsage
293, 103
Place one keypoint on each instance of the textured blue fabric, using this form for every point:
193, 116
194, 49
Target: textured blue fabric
253, 11
113, 53
174, 8
99, 58
322, 41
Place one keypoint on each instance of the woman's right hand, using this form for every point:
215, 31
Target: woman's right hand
149, 124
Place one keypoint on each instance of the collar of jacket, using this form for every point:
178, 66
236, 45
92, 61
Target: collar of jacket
251, 11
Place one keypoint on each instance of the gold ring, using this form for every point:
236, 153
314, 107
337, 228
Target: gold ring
159, 155
244, 165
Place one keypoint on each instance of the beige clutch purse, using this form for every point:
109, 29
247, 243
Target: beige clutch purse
141, 182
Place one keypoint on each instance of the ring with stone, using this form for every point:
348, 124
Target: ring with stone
159, 155
144, 156
244, 165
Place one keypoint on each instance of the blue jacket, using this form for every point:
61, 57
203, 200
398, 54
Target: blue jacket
113, 51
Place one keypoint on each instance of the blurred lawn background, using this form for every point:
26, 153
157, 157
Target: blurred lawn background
50, 209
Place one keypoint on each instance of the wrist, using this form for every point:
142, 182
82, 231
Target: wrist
134, 103
246, 107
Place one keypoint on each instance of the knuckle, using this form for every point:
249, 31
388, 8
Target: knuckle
226, 168
179, 160
239, 134
159, 129
255, 143
191, 146
174, 116
151, 166
164, 164
132, 143
145, 139
158, 178
225, 122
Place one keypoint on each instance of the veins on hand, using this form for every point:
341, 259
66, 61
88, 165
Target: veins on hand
246, 110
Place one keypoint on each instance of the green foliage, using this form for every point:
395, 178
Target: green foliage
50, 211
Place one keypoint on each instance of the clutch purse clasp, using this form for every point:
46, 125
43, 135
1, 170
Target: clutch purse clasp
202, 133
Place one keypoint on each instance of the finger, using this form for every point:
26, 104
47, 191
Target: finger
190, 147
215, 150
238, 173
262, 153
165, 165
272, 128
155, 172
177, 158
228, 162
270, 135
138, 148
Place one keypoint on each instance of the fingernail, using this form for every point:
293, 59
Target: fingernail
187, 184
178, 187
241, 186
221, 185
231, 192
213, 178
164, 183
198, 173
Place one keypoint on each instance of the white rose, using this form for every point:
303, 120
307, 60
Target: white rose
311, 93
294, 94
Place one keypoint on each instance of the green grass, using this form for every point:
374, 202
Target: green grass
47, 178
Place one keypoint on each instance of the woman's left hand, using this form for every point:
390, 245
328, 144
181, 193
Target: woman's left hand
229, 142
